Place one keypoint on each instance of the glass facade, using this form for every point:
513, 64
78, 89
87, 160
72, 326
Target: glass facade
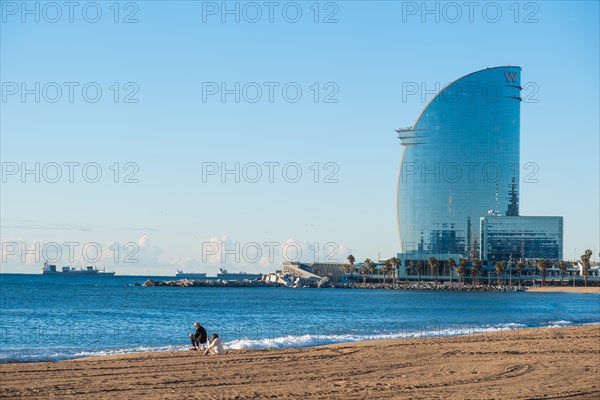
503, 238
459, 161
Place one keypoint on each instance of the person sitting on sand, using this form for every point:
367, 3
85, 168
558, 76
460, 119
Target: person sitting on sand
215, 346
199, 337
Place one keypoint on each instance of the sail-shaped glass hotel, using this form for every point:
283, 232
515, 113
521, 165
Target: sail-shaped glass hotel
459, 161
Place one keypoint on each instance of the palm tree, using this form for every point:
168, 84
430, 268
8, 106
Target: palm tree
463, 263
500, 267
418, 266
364, 272
370, 266
542, 265
451, 266
367, 268
433, 266
520, 266
476, 270
474, 273
351, 259
348, 268
387, 269
585, 265
562, 266
396, 266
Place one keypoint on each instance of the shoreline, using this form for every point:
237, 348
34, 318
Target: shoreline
565, 289
501, 364
434, 332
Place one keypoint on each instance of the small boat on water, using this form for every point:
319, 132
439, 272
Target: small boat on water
50, 269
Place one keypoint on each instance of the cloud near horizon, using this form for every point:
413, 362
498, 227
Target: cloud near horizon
144, 257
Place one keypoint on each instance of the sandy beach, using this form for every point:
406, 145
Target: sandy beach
566, 289
520, 364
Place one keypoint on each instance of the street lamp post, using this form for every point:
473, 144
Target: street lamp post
510, 271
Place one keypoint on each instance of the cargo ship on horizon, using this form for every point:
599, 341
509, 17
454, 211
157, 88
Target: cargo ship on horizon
50, 269
222, 275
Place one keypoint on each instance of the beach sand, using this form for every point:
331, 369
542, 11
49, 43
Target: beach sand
566, 289
520, 364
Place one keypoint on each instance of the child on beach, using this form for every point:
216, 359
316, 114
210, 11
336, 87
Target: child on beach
215, 346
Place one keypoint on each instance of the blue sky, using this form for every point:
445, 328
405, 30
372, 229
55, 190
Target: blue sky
176, 51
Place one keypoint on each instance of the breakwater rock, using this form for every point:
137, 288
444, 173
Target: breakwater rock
206, 283
387, 286
434, 286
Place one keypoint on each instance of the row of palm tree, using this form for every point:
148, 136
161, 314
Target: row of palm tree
461, 268
542, 265
500, 267
391, 268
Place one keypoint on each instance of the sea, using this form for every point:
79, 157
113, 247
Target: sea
57, 317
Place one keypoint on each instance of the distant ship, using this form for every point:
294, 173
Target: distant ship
49, 269
190, 275
223, 275
236, 276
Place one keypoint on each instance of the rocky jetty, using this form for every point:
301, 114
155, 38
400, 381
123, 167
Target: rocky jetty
434, 286
206, 283
387, 286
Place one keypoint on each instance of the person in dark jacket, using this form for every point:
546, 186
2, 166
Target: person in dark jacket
199, 337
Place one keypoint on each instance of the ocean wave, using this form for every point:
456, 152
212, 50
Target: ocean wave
557, 324
318, 340
54, 355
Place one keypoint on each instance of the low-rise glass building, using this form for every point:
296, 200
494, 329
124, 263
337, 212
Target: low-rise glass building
520, 237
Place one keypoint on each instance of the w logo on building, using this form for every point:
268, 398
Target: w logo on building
510, 76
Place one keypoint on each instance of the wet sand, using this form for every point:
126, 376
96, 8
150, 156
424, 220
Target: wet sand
520, 364
566, 289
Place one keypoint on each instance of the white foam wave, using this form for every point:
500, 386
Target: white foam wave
318, 340
558, 324
49, 355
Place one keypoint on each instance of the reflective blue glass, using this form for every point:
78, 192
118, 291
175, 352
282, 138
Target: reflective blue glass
506, 238
459, 161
